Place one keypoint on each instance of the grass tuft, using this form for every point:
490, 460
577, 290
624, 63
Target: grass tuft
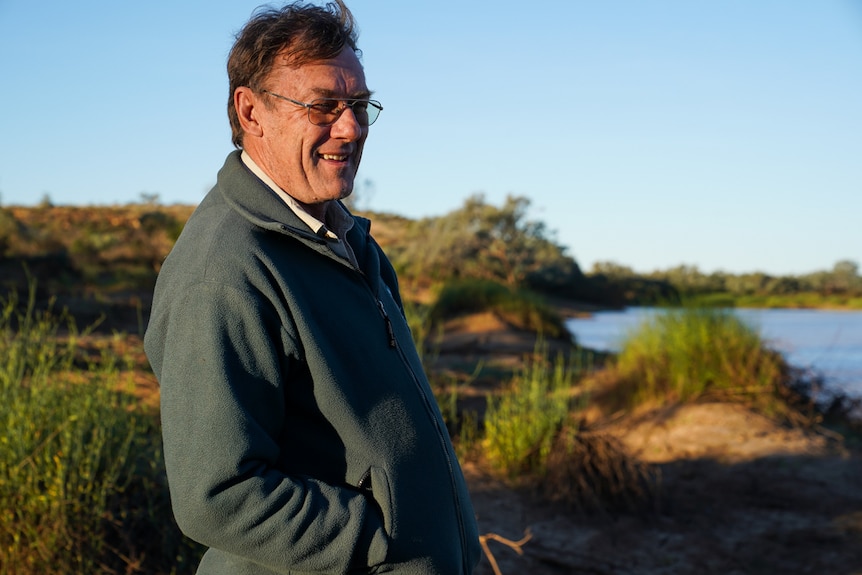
593, 472
683, 354
522, 422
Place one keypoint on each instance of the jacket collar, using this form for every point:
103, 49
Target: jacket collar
254, 200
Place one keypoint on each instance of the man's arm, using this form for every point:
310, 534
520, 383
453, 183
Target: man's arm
219, 359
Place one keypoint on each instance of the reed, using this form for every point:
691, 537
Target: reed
686, 353
522, 422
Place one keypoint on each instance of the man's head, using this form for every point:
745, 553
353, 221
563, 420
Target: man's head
300, 32
283, 61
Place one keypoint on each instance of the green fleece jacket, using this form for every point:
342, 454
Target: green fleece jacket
300, 433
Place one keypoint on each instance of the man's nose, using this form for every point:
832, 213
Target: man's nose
347, 126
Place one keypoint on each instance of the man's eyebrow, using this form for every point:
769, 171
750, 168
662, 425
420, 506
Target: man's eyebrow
325, 93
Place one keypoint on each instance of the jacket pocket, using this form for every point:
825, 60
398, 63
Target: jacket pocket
375, 483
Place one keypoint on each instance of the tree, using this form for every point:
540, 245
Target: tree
483, 241
612, 270
844, 276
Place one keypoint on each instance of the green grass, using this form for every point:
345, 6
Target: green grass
522, 422
683, 354
802, 300
807, 300
81, 476
520, 425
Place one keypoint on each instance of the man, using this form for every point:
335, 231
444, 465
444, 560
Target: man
300, 432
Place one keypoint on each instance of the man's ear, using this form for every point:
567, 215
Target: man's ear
246, 103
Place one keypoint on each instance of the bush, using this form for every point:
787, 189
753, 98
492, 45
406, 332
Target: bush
522, 422
81, 477
10, 228
534, 436
520, 308
681, 354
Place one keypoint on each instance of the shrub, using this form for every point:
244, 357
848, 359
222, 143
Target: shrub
522, 422
10, 228
534, 435
481, 240
682, 354
81, 477
520, 308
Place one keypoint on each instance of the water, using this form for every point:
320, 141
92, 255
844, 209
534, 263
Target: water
828, 342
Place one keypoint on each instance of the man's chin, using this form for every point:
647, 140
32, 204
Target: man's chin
345, 190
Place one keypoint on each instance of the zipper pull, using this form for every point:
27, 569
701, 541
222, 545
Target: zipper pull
365, 483
389, 329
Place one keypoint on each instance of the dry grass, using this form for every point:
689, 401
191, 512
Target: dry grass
593, 472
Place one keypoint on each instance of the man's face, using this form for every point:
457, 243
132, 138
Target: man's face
314, 164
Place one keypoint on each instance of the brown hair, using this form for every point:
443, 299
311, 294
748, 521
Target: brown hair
303, 33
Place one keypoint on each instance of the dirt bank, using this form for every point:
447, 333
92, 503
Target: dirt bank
739, 493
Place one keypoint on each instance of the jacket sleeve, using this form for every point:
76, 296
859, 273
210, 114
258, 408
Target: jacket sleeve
219, 358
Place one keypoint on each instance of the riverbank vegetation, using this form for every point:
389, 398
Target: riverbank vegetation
689, 354
82, 485
837, 288
107, 257
520, 308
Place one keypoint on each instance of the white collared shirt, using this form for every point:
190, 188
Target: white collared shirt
339, 220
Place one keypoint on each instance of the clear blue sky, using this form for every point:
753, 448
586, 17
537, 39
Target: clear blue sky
725, 134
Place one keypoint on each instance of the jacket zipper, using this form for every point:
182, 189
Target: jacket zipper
429, 408
389, 330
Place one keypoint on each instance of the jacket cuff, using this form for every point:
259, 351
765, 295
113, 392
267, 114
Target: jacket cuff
373, 541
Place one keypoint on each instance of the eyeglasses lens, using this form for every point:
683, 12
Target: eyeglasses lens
324, 112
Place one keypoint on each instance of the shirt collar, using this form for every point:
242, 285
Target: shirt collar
336, 215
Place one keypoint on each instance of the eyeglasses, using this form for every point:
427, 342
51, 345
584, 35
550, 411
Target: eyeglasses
326, 111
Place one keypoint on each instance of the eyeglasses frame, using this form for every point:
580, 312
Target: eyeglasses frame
348, 103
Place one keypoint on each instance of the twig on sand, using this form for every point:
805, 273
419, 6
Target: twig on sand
515, 545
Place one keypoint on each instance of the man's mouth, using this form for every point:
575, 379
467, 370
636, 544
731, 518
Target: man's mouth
335, 157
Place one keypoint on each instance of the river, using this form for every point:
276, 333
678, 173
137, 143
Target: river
828, 342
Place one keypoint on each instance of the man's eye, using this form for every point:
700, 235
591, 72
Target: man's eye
326, 107
360, 107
